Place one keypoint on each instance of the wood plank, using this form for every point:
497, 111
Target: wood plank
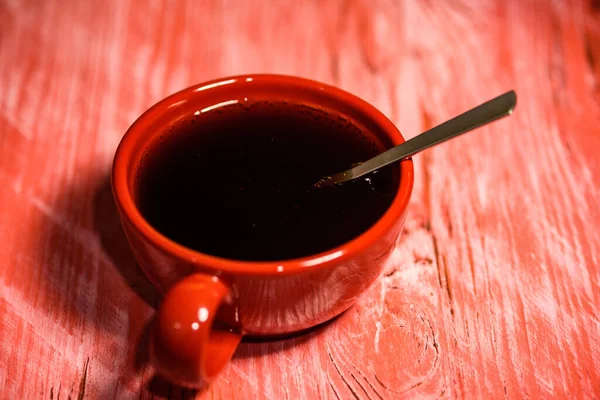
493, 289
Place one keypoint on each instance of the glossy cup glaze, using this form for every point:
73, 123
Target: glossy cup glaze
211, 302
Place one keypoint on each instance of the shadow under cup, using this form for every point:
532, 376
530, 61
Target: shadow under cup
250, 297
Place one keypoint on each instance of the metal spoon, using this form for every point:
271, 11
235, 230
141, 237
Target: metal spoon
485, 113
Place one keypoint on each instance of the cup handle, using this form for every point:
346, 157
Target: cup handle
184, 347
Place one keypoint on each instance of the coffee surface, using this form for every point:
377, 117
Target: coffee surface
236, 182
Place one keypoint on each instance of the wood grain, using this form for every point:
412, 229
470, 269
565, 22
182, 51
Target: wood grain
493, 290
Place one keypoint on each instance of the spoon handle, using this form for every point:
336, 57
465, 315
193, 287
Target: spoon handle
485, 113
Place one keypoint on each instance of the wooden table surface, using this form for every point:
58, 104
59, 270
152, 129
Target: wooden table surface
493, 290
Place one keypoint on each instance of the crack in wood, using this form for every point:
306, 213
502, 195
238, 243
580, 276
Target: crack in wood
427, 226
449, 225
342, 376
333, 388
391, 273
379, 381
368, 383
443, 275
440, 265
447, 218
361, 386
589, 54
83, 380
423, 260
435, 345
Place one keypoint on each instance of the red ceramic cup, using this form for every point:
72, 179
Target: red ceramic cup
210, 303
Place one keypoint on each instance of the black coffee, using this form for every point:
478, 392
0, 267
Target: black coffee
236, 182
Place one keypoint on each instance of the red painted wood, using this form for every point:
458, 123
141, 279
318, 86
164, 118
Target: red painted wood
493, 289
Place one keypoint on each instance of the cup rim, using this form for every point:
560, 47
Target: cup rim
129, 210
